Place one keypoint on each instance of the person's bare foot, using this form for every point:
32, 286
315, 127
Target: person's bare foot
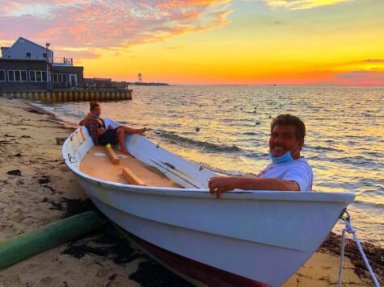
141, 131
124, 151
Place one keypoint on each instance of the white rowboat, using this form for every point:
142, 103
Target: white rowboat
247, 238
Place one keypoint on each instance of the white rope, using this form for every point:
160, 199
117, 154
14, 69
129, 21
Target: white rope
341, 266
349, 228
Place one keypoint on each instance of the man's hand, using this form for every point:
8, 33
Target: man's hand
220, 184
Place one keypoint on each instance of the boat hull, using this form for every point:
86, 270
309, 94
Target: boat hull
191, 270
196, 227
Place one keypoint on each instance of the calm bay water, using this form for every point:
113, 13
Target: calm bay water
344, 142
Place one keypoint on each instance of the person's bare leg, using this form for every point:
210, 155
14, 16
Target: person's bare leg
133, 131
120, 133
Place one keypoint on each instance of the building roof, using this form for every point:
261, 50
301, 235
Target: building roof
22, 38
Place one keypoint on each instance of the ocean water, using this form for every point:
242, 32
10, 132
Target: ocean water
226, 128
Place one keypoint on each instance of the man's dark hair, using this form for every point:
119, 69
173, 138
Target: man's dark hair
93, 105
290, 120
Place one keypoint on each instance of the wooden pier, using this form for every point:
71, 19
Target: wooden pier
57, 96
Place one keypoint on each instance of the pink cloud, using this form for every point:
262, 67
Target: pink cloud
361, 78
108, 24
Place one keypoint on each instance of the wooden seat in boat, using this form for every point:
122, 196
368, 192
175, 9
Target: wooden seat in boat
131, 177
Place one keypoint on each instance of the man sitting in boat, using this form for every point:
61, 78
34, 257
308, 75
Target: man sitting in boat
288, 170
101, 135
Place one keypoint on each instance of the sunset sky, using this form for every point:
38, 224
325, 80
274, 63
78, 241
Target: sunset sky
209, 42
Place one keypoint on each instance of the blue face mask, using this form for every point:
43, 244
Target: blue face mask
287, 157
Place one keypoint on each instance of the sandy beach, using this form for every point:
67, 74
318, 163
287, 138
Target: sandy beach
36, 188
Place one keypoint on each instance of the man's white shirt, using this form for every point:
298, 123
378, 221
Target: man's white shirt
298, 171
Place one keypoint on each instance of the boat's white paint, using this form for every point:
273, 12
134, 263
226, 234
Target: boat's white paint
262, 235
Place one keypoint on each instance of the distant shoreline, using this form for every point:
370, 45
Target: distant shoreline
255, 85
148, 84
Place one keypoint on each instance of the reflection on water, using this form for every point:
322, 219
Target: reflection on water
344, 143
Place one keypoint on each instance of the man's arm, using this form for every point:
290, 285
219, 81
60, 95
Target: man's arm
221, 184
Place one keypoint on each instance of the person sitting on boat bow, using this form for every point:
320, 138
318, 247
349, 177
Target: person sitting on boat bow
288, 170
101, 135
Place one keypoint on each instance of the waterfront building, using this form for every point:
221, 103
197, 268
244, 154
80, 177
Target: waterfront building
27, 66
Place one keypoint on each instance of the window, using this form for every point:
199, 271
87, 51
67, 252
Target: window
32, 77
38, 76
62, 78
28, 55
11, 76
23, 76
45, 55
17, 76
73, 79
2, 75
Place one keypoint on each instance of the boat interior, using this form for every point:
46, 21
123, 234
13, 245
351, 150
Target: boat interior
110, 164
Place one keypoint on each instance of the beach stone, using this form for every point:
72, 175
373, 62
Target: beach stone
44, 179
15, 172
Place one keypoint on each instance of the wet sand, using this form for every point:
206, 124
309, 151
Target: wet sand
36, 188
